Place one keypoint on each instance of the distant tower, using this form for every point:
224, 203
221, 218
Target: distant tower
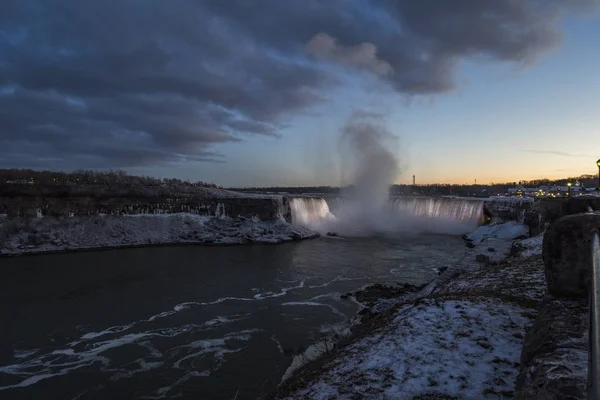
413, 180
476, 181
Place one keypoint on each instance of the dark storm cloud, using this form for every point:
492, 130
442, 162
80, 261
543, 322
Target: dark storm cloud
119, 83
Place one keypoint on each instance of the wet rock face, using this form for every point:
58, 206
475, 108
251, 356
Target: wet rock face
555, 353
567, 253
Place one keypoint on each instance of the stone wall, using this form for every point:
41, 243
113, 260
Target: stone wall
555, 352
546, 211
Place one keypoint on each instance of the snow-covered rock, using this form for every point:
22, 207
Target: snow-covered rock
49, 234
508, 231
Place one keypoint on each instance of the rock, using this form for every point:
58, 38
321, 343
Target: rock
33, 239
482, 258
555, 351
515, 249
560, 323
567, 254
296, 235
562, 376
332, 234
470, 245
378, 291
491, 249
441, 270
534, 219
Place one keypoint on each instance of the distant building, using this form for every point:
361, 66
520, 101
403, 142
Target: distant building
520, 190
546, 191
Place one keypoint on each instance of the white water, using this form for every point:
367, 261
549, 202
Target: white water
433, 215
307, 211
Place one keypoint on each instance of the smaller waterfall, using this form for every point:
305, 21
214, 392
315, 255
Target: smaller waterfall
309, 211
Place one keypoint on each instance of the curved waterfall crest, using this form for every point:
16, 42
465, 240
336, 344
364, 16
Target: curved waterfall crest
402, 214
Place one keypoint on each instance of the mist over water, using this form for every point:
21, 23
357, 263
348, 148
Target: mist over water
371, 167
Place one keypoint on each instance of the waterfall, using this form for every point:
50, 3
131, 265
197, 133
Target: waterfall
309, 211
346, 217
460, 210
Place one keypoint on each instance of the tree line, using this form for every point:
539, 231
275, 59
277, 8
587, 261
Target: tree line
91, 177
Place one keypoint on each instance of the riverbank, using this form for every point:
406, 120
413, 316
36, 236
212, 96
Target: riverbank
20, 236
459, 337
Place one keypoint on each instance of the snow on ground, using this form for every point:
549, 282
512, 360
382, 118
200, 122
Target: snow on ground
463, 348
531, 246
27, 235
508, 230
460, 338
522, 280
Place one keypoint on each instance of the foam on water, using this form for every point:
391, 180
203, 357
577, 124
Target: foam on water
278, 343
32, 366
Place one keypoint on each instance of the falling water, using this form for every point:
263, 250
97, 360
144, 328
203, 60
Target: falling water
306, 211
434, 215
454, 209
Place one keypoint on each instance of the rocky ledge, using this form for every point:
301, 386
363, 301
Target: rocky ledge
57, 234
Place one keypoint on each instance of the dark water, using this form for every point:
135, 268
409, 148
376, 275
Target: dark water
187, 322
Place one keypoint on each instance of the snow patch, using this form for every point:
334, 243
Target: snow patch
506, 231
532, 246
468, 349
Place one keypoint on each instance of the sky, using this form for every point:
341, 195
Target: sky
256, 93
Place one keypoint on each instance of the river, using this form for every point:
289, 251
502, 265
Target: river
189, 321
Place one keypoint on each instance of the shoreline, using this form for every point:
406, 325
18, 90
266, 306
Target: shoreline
149, 245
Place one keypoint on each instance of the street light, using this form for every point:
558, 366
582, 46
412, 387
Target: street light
569, 189
598, 164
